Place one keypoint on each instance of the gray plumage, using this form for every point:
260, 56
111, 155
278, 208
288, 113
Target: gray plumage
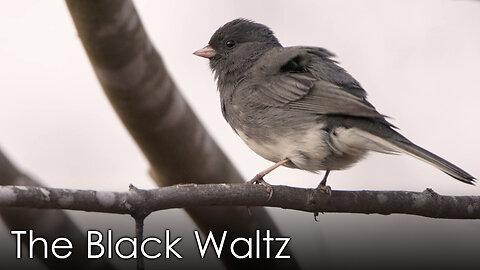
297, 103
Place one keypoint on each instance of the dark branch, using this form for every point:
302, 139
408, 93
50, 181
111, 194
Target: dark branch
427, 203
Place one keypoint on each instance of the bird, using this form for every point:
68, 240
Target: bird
297, 107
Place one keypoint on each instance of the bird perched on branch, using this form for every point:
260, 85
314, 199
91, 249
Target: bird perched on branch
297, 107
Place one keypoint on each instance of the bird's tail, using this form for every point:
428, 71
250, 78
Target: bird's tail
434, 160
398, 143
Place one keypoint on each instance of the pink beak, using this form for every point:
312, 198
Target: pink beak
207, 52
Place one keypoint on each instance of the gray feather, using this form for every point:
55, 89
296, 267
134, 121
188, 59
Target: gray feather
312, 83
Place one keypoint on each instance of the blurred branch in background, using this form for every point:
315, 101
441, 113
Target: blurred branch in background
50, 224
426, 203
174, 141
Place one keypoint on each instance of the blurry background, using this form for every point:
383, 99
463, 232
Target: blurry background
418, 60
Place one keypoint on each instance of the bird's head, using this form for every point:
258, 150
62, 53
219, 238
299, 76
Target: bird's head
237, 44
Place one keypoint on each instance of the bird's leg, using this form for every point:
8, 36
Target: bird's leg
258, 179
323, 185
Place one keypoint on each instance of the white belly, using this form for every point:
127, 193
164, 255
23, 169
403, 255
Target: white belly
314, 149
306, 150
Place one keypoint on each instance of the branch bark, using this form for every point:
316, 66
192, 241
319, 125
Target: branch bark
171, 137
427, 203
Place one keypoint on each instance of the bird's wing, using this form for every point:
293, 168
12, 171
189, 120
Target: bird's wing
306, 79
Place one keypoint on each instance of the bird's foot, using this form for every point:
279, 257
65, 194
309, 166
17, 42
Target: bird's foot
258, 179
326, 189
315, 216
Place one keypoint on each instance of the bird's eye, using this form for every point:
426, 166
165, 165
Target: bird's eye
230, 43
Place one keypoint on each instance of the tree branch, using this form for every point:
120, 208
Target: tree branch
49, 224
427, 203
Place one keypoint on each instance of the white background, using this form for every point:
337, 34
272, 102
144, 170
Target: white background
418, 60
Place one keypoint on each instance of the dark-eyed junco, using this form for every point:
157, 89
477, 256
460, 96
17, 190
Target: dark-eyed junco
296, 107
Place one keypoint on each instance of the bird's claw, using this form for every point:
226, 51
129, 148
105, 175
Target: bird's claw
325, 189
258, 179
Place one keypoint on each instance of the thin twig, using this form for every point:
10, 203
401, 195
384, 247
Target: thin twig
139, 236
